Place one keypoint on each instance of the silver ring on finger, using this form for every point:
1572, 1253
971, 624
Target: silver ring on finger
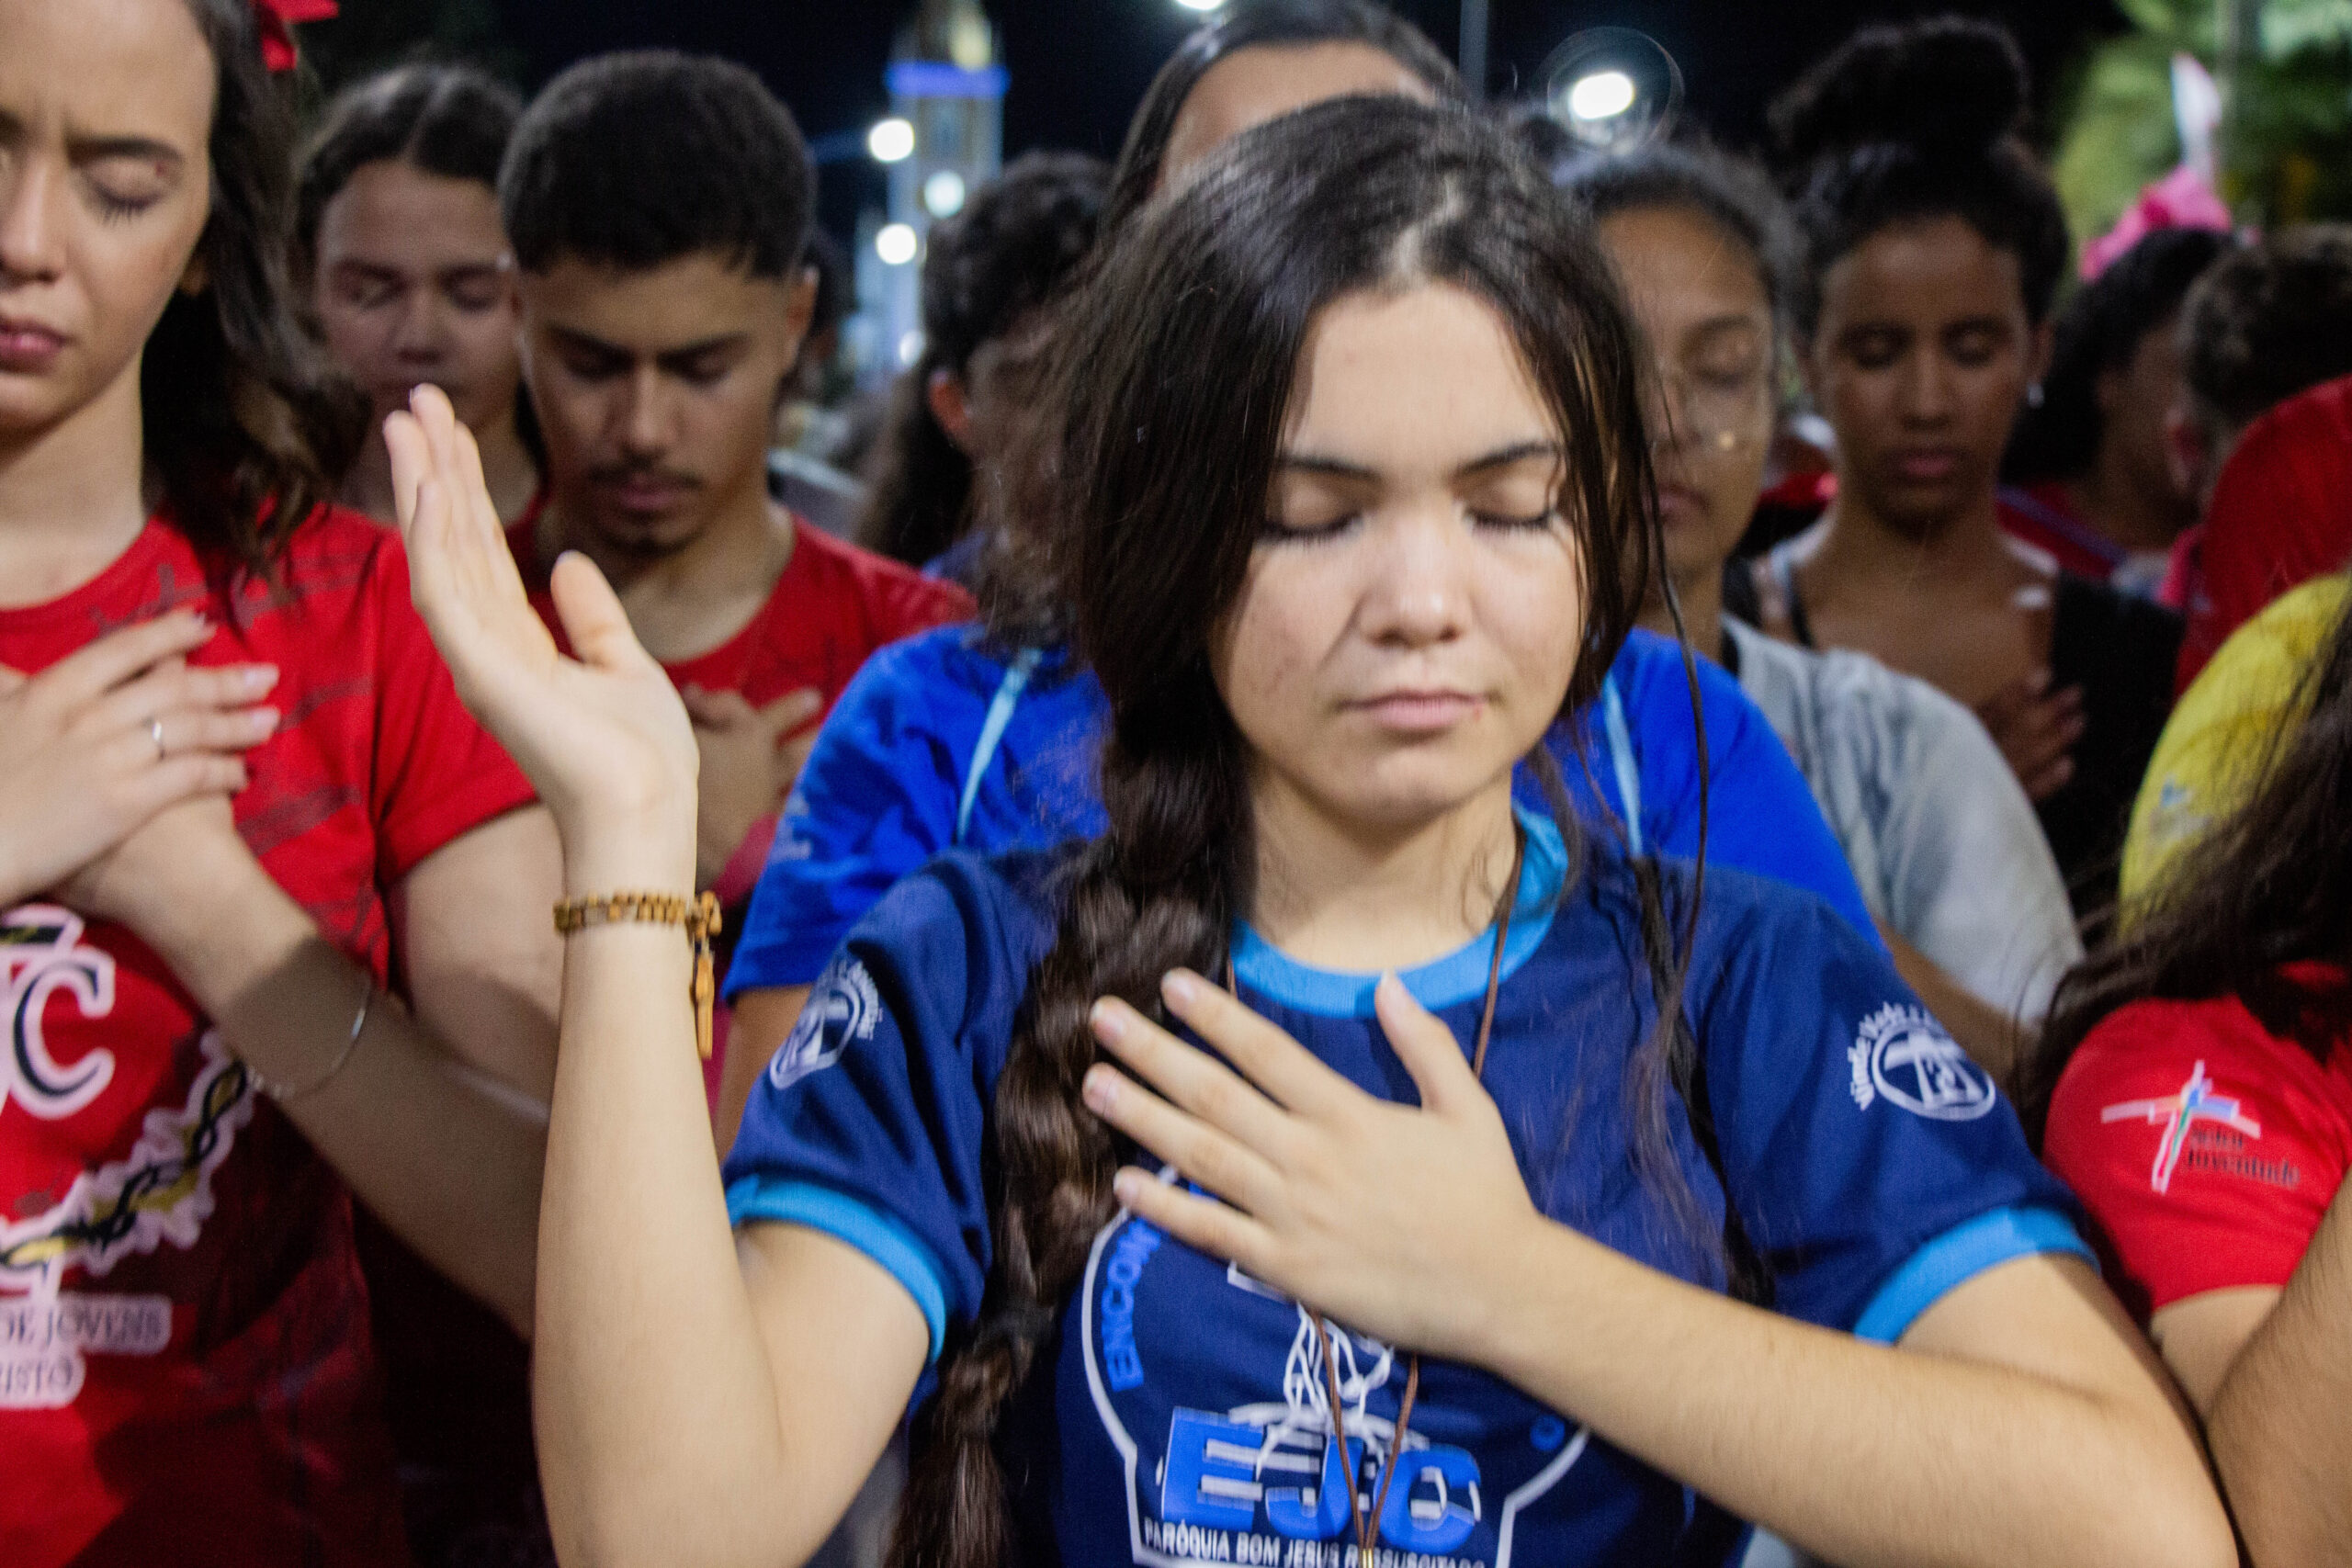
155, 733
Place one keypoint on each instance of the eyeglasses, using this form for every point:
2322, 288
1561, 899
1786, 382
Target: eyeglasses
1711, 412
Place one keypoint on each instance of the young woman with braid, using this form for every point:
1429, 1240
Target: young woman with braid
986, 738
239, 801
1386, 519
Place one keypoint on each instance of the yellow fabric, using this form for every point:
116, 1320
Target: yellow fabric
2224, 729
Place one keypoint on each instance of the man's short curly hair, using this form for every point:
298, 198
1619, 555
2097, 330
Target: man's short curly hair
635, 161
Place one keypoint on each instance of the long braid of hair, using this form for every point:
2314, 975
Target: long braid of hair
1162, 889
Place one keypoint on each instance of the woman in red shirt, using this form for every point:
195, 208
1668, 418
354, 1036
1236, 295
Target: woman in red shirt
238, 799
2197, 1077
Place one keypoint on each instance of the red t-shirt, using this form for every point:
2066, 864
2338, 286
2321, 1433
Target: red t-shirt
185, 1369
2207, 1148
833, 605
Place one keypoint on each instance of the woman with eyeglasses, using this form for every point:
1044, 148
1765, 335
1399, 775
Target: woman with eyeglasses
1940, 837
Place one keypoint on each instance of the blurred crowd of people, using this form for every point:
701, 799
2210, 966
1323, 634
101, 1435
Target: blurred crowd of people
1437, 843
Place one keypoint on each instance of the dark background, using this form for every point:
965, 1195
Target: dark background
1077, 66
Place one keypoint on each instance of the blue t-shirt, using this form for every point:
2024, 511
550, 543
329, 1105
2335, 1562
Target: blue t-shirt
944, 742
1871, 1166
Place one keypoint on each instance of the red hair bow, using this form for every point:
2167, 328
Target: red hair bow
277, 18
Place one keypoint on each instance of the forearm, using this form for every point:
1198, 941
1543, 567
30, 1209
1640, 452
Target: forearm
656, 1405
763, 1018
449, 1161
1859, 1453
2278, 1425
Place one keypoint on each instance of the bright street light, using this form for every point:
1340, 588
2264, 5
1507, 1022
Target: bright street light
1201, 4
1604, 95
943, 194
896, 244
891, 140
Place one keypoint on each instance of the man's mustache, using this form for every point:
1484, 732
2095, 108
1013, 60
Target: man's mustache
626, 473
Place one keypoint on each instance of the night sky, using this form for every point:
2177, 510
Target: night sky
1077, 66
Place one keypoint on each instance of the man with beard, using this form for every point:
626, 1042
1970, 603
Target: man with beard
658, 207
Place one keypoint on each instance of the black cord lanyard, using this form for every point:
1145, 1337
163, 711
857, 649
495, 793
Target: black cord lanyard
1367, 1529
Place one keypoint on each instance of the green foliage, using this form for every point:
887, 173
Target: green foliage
2286, 141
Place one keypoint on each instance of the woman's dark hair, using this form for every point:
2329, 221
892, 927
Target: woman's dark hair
1906, 124
988, 268
238, 419
449, 120
1732, 193
2268, 886
1179, 364
1257, 24
2099, 330
2268, 321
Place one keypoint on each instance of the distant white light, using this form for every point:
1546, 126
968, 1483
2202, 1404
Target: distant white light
1201, 4
1604, 95
891, 140
896, 244
910, 348
943, 194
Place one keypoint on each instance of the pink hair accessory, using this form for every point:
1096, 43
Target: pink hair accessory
277, 18
2182, 199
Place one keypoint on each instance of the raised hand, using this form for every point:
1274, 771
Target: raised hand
750, 757
602, 737
96, 746
1398, 1220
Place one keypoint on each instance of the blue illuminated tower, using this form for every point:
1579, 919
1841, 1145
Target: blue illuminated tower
946, 81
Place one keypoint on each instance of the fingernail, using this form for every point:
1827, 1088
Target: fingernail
1109, 1022
1124, 1186
1100, 1090
260, 677
1180, 989
264, 721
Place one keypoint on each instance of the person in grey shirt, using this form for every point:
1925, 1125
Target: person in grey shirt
1940, 836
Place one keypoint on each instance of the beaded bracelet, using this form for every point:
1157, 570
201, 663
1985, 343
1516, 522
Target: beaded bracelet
699, 915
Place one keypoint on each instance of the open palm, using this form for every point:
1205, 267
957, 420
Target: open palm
604, 738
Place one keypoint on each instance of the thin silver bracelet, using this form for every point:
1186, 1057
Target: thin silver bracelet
284, 1095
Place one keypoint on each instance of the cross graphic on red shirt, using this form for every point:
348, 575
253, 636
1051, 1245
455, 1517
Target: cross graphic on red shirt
2180, 1112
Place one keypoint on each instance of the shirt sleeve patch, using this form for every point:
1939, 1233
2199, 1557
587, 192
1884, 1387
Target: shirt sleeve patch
841, 1011
1958, 1256
756, 1200
1903, 1056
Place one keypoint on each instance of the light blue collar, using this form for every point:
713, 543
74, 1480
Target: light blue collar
1441, 983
